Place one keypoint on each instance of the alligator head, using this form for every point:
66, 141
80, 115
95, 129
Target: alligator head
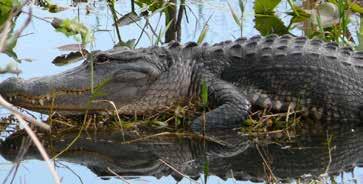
119, 75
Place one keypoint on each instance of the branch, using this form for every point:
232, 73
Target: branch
40, 148
7, 28
28, 118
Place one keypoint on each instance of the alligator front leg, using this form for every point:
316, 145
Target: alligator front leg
231, 107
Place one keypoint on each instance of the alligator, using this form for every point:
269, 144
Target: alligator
306, 154
321, 79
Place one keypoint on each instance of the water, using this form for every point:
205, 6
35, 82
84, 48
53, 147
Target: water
40, 46
308, 155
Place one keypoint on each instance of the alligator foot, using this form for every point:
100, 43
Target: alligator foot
231, 106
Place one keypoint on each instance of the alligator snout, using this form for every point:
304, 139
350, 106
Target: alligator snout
11, 86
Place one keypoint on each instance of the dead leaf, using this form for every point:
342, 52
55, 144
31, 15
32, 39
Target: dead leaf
128, 19
69, 58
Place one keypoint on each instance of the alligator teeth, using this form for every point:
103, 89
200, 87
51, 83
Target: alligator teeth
41, 102
33, 101
47, 97
10, 99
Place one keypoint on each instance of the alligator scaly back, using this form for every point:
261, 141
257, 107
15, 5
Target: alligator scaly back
277, 72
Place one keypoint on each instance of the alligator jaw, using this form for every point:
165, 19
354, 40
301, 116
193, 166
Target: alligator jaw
70, 92
40, 95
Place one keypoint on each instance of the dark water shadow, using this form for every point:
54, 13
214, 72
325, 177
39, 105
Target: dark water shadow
312, 152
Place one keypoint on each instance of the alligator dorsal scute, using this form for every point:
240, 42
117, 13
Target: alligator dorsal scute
191, 50
241, 40
190, 45
332, 46
357, 61
251, 48
255, 38
205, 44
346, 51
316, 42
235, 51
174, 44
286, 36
123, 55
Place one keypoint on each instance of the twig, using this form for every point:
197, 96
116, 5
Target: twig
118, 176
76, 138
142, 32
4, 35
40, 148
114, 16
171, 167
26, 23
117, 115
179, 19
72, 171
7, 29
265, 162
28, 118
40, 18
330, 149
25, 144
132, 5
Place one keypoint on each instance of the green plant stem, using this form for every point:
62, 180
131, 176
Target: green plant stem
170, 18
132, 5
179, 19
293, 7
111, 4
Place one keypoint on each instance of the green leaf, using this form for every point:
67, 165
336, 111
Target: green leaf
204, 94
98, 89
6, 7
158, 124
152, 4
356, 8
299, 15
71, 57
300, 11
162, 33
234, 15
128, 19
360, 36
204, 31
206, 170
265, 6
203, 34
270, 24
162, 8
53, 8
71, 27
241, 5
10, 45
129, 44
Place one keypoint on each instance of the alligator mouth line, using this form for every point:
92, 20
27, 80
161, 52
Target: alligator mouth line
57, 108
41, 99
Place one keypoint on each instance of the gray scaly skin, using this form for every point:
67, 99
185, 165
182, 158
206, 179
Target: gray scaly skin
322, 79
142, 81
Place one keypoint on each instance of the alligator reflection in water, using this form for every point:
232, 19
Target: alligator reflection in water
245, 160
